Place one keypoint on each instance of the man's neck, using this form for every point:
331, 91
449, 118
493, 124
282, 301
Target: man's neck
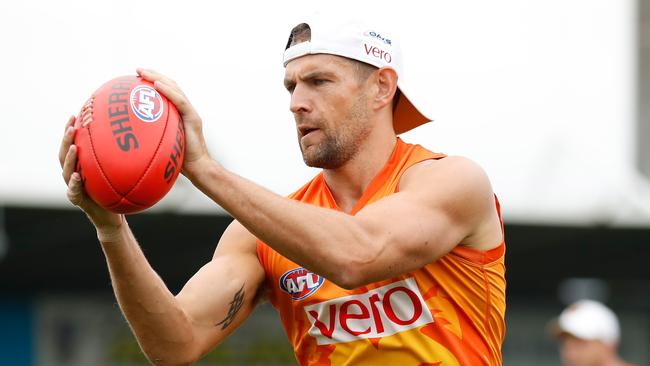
349, 182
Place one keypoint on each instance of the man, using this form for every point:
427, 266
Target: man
589, 333
391, 255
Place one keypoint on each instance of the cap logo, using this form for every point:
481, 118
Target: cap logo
377, 52
378, 36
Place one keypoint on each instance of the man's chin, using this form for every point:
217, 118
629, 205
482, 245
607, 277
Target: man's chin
315, 157
311, 162
309, 155
321, 163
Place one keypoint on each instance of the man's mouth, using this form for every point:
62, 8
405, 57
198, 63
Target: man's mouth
304, 131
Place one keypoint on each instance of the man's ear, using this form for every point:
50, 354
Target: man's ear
386, 83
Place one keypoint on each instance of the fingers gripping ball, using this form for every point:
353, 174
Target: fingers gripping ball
131, 143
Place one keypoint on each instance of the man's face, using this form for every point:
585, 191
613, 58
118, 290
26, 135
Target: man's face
579, 352
330, 107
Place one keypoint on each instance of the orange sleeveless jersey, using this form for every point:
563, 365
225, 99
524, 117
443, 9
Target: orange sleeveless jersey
449, 312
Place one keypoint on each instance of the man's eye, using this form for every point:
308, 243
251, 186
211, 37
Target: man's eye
319, 81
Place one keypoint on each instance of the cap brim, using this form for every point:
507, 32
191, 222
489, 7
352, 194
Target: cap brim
406, 116
557, 331
554, 329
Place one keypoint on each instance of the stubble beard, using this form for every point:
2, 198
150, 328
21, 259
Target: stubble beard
343, 143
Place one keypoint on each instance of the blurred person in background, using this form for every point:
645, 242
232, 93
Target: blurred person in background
588, 333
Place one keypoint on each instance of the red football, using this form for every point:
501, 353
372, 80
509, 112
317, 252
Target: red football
131, 142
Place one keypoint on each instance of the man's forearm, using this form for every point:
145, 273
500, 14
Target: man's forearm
296, 230
162, 329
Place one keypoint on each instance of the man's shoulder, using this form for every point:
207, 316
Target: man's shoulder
460, 189
456, 185
450, 170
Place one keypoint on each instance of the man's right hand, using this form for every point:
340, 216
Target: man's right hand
196, 151
107, 223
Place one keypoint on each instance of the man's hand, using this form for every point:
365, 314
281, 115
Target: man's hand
106, 222
196, 151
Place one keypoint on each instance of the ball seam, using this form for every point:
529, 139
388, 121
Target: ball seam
99, 165
153, 157
140, 206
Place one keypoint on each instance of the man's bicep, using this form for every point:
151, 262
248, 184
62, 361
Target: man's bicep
409, 232
436, 209
222, 294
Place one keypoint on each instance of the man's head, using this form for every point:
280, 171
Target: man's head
334, 100
588, 333
302, 33
343, 80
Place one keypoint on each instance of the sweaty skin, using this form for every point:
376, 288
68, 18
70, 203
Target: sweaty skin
446, 203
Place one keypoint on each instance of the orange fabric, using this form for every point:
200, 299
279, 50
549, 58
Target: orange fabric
449, 312
406, 117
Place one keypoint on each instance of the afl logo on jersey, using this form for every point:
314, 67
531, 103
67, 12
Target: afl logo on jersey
300, 283
146, 103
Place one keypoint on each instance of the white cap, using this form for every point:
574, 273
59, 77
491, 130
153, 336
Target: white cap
589, 320
366, 44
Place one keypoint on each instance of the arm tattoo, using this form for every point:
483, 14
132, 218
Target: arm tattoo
235, 306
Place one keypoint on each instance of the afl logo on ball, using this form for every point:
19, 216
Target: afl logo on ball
146, 103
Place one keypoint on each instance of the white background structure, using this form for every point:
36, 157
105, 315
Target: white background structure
540, 93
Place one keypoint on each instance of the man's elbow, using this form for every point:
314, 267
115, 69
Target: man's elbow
353, 273
345, 280
163, 357
174, 361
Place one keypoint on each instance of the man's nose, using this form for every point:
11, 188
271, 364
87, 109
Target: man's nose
300, 102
